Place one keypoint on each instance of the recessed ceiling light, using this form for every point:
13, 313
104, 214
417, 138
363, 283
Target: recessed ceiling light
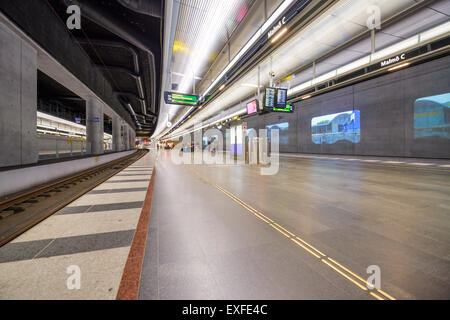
403, 65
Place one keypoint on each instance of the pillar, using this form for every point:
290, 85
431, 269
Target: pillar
131, 135
116, 133
18, 100
94, 126
126, 141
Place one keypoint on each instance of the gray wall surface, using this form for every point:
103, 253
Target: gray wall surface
18, 100
387, 115
38, 21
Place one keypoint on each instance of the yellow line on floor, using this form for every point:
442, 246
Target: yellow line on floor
376, 296
344, 275
333, 264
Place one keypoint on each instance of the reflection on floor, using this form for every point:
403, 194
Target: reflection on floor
309, 232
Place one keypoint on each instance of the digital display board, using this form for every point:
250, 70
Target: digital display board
289, 108
332, 128
252, 107
181, 99
432, 117
281, 98
269, 97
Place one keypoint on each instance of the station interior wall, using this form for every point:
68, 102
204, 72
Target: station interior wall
47, 144
386, 106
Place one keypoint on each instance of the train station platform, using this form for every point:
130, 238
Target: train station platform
91, 237
312, 231
309, 232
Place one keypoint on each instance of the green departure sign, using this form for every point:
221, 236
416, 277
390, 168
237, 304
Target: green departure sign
289, 108
181, 99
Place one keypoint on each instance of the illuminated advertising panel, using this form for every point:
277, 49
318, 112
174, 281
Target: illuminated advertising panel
331, 128
252, 107
432, 117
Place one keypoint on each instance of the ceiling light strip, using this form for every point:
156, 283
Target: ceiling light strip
250, 43
384, 53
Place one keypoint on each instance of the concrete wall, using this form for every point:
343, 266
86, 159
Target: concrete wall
18, 100
20, 179
94, 126
38, 21
387, 115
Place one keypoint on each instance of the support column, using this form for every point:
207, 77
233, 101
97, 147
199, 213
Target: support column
94, 126
131, 135
116, 133
126, 140
18, 100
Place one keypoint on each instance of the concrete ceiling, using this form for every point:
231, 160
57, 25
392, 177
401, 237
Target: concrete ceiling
127, 67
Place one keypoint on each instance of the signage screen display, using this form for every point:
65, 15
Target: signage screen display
252, 107
289, 108
281, 98
331, 128
269, 99
180, 99
432, 117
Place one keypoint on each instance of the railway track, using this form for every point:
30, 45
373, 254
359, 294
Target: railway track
22, 211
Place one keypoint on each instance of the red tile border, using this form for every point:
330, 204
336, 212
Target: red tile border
129, 285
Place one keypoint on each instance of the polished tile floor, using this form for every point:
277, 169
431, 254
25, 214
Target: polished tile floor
309, 232
94, 233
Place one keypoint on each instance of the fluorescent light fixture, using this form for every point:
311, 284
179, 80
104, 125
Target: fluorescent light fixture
47, 127
395, 48
306, 97
279, 34
389, 51
251, 85
400, 66
419, 38
247, 46
325, 77
435, 32
252, 40
59, 120
354, 65
300, 87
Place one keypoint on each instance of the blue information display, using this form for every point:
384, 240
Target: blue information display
269, 99
281, 98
